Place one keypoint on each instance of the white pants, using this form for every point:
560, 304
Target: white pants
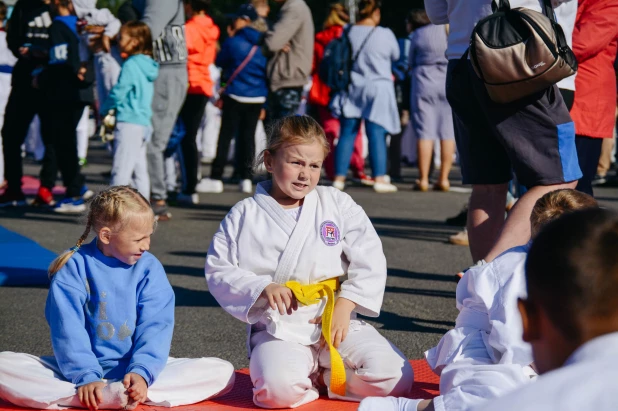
208, 133
130, 165
282, 371
36, 382
5, 91
83, 133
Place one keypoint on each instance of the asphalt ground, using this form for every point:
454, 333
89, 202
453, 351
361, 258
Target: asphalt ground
419, 303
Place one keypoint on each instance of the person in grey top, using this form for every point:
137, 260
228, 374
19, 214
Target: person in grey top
166, 19
430, 112
370, 96
290, 46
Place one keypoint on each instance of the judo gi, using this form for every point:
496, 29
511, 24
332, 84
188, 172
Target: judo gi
259, 243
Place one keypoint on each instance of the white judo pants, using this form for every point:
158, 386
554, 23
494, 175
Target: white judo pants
282, 371
130, 166
36, 382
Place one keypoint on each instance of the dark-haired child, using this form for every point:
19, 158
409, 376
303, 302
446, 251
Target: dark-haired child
484, 356
570, 316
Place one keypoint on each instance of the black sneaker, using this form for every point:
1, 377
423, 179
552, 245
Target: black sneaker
12, 199
460, 220
599, 180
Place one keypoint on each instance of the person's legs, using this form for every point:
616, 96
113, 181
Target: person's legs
82, 135
65, 146
588, 154
191, 113
48, 130
331, 128
280, 372
605, 160
425, 156
22, 105
345, 146
230, 117
376, 134
447, 152
190, 380
141, 179
245, 147
374, 367
128, 143
357, 162
170, 91
485, 205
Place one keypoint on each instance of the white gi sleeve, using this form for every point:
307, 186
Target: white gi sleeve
367, 263
234, 288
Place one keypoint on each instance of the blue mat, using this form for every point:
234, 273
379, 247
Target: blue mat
22, 261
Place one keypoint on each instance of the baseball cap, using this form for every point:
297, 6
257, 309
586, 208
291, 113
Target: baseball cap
244, 11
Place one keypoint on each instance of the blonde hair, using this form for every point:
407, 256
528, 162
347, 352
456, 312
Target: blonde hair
292, 130
113, 207
556, 203
337, 16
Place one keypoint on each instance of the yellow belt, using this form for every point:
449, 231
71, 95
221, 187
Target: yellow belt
312, 294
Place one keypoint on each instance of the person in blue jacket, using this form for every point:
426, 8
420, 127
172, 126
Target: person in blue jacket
110, 310
242, 98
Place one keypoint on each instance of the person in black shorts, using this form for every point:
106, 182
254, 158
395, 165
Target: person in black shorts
533, 137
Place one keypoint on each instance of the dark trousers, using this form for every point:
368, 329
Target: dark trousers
191, 114
237, 119
58, 128
588, 153
283, 102
23, 104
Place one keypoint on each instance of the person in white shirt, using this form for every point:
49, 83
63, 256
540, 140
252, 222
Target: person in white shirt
484, 356
570, 316
275, 264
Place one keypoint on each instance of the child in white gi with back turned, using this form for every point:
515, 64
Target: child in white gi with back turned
275, 264
570, 317
110, 310
484, 356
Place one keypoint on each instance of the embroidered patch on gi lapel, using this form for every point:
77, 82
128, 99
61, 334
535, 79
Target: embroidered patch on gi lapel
329, 232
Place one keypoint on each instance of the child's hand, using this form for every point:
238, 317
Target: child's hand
91, 395
341, 320
280, 297
136, 387
106, 42
81, 73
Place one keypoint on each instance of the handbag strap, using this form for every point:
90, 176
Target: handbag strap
363, 44
504, 5
239, 69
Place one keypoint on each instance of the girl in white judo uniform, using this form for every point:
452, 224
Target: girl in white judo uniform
274, 264
570, 317
110, 310
484, 356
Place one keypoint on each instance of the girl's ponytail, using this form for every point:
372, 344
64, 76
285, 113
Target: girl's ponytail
62, 259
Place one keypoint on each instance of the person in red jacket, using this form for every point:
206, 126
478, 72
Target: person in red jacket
201, 34
595, 38
319, 96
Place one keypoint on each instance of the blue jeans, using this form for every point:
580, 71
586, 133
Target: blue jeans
377, 146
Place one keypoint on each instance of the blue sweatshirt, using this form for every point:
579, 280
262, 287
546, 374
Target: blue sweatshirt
108, 318
251, 81
132, 94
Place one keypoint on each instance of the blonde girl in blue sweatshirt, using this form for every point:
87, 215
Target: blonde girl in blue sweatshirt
110, 310
132, 98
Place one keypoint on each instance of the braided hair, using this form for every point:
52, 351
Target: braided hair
112, 208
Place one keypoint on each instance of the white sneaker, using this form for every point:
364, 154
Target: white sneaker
208, 185
384, 188
387, 178
339, 185
188, 199
245, 186
388, 404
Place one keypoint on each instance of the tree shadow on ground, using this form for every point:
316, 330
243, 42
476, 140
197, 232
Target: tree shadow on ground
396, 322
186, 297
420, 291
413, 229
396, 272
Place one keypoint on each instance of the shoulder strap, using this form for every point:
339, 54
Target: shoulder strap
239, 69
363, 44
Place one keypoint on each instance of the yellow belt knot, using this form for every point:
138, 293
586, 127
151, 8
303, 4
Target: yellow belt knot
312, 294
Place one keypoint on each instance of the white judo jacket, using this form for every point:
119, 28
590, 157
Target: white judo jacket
259, 243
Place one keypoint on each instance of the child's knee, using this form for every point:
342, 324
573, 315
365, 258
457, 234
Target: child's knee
389, 375
281, 390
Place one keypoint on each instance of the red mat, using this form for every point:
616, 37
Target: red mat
30, 186
240, 398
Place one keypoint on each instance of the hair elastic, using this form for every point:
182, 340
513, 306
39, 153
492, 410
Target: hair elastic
74, 249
